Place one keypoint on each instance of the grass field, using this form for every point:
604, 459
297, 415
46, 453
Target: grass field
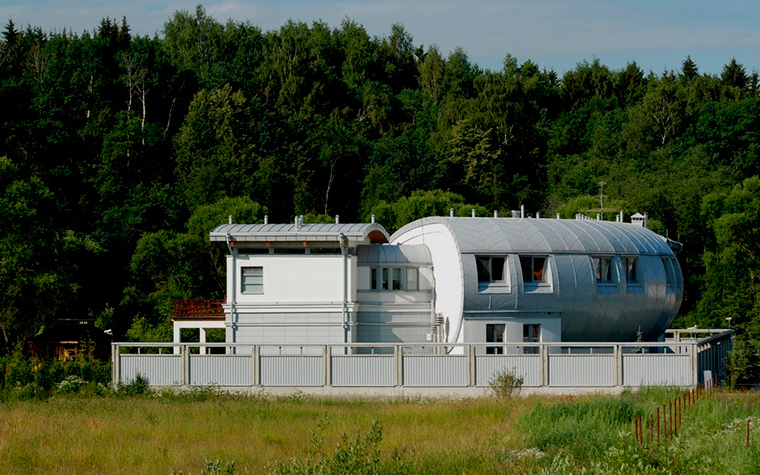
163, 433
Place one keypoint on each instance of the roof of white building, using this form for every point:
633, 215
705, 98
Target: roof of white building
545, 235
356, 233
406, 254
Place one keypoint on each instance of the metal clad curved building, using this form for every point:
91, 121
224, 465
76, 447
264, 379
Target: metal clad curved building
566, 280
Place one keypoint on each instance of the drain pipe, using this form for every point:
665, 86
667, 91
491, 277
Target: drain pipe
344, 251
230, 241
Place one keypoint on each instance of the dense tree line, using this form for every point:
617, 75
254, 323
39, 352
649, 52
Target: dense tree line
119, 153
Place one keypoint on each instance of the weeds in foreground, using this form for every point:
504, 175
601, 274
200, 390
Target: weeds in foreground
506, 384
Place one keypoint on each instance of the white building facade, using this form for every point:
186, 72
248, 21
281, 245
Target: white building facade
441, 279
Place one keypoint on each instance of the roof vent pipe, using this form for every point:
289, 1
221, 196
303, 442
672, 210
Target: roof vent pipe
522, 211
373, 219
495, 213
230, 218
621, 216
337, 219
266, 219
451, 212
297, 223
598, 217
473, 212
558, 216
538, 215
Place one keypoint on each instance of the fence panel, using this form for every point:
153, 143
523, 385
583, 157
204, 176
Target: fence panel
582, 370
363, 370
526, 366
435, 370
221, 370
292, 371
656, 370
157, 370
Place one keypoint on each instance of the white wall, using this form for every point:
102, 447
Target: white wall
292, 279
447, 269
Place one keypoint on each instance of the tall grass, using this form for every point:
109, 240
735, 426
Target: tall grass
202, 430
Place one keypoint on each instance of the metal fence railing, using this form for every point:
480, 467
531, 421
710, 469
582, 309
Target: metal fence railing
443, 365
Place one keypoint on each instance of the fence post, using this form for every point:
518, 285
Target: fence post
694, 364
328, 364
544, 365
398, 353
471, 365
618, 366
256, 366
185, 365
115, 364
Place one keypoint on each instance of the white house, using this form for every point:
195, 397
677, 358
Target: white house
447, 279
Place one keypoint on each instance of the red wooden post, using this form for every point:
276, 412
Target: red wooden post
670, 422
658, 425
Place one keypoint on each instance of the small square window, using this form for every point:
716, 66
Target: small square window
252, 280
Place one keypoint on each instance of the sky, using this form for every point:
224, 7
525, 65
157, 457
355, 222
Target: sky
556, 34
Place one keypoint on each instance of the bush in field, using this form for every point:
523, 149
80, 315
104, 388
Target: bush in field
137, 386
358, 456
506, 384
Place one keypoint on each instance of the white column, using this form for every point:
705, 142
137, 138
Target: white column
177, 338
202, 340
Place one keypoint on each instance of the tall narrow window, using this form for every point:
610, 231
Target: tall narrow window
495, 334
669, 274
385, 278
630, 270
412, 279
252, 280
533, 268
531, 334
374, 279
603, 269
397, 282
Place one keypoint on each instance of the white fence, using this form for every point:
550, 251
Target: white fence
679, 362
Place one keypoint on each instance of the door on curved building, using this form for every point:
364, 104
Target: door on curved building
494, 334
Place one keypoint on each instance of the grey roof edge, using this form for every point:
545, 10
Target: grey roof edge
362, 233
642, 236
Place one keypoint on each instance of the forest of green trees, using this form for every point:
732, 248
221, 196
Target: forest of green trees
119, 153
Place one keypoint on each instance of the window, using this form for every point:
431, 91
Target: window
495, 334
531, 334
533, 268
393, 278
397, 284
603, 269
669, 274
630, 270
252, 280
412, 278
490, 269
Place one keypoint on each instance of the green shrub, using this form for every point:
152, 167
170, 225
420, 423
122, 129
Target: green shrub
506, 384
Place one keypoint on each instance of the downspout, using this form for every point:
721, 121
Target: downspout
230, 241
344, 251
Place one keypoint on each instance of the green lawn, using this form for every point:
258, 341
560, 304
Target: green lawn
160, 433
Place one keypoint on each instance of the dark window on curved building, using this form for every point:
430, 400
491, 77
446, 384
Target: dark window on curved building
630, 270
603, 269
533, 268
490, 269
